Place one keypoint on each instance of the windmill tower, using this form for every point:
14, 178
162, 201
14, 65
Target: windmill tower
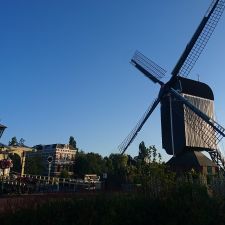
187, 106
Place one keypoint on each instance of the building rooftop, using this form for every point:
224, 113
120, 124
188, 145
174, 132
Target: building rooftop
191, 159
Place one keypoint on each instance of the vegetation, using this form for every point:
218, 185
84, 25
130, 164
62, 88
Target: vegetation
72, 142
64, 174
15, 142
16, 162
121, 170
90, 163
152, 195
34, 166
187, 205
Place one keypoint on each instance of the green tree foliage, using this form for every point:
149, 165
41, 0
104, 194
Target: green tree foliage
34, 166
72, 142
64, 174
149, 154
16, 162
143, 151
13, 141
21, 142
90, 163
120, 169
146, 169
151, 173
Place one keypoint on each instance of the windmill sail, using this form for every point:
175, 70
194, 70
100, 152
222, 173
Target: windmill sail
210, 121
201, 133
148, 67
206, 128
128, 140
201, 127
206, 135
199, 39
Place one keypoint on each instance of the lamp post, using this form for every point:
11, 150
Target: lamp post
49, 159
23, 163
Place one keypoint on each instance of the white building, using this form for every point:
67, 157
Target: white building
63, 156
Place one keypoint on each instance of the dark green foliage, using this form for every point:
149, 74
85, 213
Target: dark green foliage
146, 169
64, 174
90, 163
13, 141
34, 165
143, 151
117, 169
21, 142
187, 205
16, 162
72, 142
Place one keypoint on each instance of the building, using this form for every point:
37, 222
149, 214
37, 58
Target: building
63, 157
193, 160
182, 129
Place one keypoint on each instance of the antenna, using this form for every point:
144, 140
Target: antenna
198, 76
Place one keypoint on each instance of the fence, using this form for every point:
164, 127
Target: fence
38, 184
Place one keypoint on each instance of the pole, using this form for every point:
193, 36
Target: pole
23, 163
171, 125
49, 171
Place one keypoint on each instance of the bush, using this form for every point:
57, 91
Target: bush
188, 204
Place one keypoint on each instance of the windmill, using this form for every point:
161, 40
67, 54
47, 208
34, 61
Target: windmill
187, 107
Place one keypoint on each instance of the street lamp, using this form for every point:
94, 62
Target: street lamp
49, 159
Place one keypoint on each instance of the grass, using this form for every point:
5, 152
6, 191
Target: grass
186, 205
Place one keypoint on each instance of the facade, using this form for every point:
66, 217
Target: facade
190, 132
193, 160
63, 157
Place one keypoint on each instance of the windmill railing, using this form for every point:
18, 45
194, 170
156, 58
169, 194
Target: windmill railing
218, 158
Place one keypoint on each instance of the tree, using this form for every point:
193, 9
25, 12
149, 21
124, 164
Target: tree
64, 174
72, 142
16, 162
34, 166
143, 151
152, 174
13, 141
120, 169
90, 163
21, 142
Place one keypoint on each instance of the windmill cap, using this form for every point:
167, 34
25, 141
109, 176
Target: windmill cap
195, 88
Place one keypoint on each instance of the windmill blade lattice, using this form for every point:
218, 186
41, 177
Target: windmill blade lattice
205, 131
146, 65
199, 39
128, 140
218, 128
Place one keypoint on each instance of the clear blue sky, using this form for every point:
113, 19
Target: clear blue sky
65, 67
